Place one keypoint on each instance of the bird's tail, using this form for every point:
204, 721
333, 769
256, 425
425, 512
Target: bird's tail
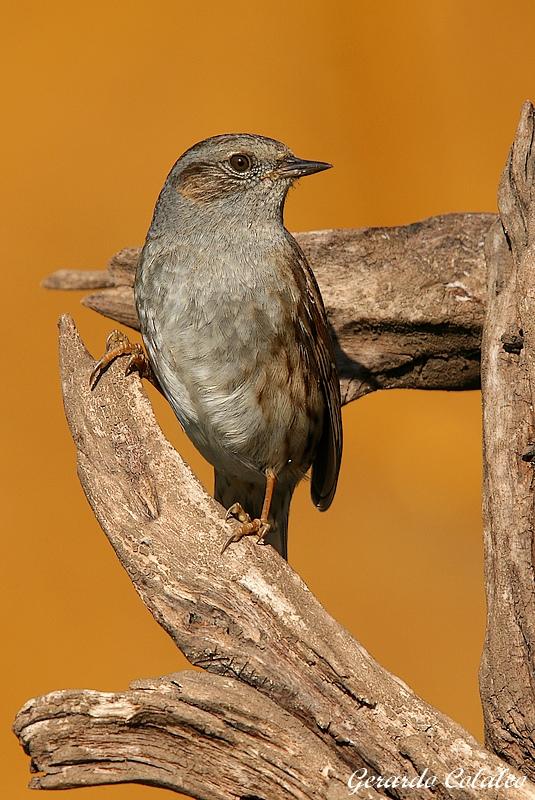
228, 490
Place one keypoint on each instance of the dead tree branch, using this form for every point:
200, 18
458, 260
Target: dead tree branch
289, 705
248, 618
508, 373
406, 304
177, 732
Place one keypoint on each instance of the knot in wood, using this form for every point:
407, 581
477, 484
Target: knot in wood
529, 453
512, 341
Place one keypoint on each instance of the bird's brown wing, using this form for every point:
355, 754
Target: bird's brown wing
317, 343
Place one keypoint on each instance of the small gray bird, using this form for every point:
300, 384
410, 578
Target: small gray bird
236, 332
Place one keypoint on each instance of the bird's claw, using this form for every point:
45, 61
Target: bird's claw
137, 361
118, 344
236, 512
248, 526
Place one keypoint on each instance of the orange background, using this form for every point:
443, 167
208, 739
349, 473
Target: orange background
416, 104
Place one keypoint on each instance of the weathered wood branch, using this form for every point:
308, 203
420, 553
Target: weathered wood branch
176, 732
247, 618
289, 705
406, 304
508, 373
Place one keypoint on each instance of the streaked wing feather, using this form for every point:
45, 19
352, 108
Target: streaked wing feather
317, 341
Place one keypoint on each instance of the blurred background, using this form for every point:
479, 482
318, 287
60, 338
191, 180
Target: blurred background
416, 104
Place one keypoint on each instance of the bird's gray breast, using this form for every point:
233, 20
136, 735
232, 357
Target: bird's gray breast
218, 327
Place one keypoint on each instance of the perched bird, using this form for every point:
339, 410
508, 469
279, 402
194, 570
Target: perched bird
236, 332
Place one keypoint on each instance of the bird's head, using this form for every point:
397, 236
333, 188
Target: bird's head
238, 173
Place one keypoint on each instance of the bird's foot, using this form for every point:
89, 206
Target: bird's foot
249, 527
117, 345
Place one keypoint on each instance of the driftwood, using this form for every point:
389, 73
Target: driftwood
288, 704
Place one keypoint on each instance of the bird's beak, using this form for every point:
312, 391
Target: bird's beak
292, 167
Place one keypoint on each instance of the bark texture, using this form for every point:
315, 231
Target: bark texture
309, 704
406, 304
508, 374
193, 732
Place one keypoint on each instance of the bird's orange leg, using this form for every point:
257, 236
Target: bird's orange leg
117, 345
251, 527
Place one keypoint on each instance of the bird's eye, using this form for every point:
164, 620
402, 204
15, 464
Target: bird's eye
240, 162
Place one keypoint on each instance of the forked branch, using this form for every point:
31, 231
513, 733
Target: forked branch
246, 617
289, 705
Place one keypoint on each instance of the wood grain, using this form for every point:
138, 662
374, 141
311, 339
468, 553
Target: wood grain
508, 664
288, 705
247, 618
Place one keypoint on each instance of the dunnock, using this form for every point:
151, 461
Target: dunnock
236, 332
